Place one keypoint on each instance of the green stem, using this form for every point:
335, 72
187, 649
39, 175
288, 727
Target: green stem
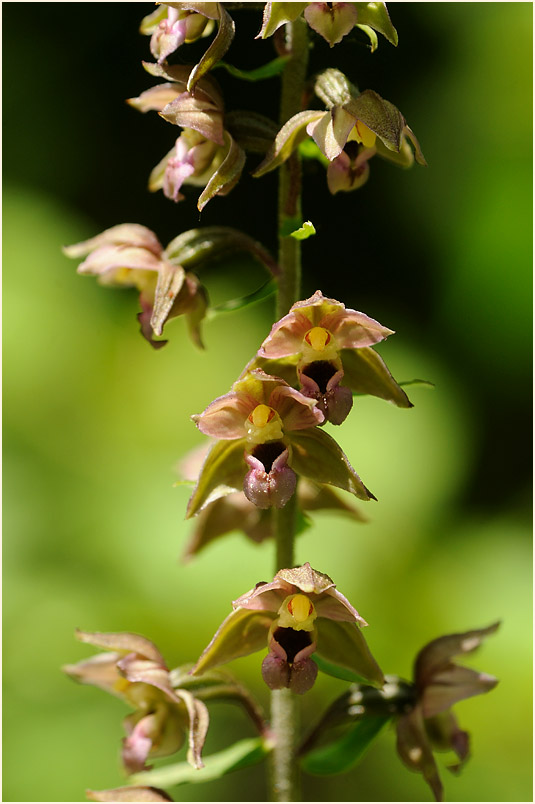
284, 704
293, 82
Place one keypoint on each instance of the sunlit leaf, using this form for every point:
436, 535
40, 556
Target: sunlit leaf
304, 232
344, 753
269, 70
264, 292
239, 755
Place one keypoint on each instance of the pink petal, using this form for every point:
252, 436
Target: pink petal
353, 330
297, 411
225, 417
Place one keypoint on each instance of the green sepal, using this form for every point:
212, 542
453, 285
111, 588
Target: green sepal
304, 232
287, 140
198, 246
342, 644
365, 372
335, 671
372, 36
344, 753
244, 631
277, 14
240, 755
268, 289
376, 16
227, 174
269, 70
380, 116
170, 281
223, 471
217, 49
317, 456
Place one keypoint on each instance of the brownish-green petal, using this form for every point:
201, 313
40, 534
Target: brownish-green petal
122, 641
287, 140
227, 174
241, 633
380, 116
217, 49
365, 372
199, 720
317, 456
170, 281
415, 751
453, 684
437, 655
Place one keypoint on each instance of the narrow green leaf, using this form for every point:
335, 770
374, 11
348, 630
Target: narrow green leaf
421, 383
194, 248
264, 292
240, 755
336, 671
305, 231
344, 753
269, 70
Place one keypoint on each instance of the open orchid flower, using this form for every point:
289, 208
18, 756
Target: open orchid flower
267, 435
298, 613
205, 154
330, 344
332, 21
134, 670
173, 24
130, 255
236, 513
355, 127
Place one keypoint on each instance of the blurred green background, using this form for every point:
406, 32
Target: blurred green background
95, 421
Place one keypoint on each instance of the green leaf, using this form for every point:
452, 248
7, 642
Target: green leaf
376, 16
269, 70
336, 671
268, 289
240, 755
420, 383
344, 753
304, 232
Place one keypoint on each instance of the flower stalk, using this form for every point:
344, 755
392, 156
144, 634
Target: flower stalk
284, 704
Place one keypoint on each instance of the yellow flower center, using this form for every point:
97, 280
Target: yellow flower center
318, 338
263, 424
361, 133
300, 607
261, 415
297, 612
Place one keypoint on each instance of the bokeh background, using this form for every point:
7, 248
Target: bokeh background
95, 421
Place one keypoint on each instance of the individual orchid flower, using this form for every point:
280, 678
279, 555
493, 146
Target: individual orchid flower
332, 21
355, 127
174, 24
267, 435
297, 614
330, 344
133, 669
236, 513
440, 683
421, 709
205, 154
130, 255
